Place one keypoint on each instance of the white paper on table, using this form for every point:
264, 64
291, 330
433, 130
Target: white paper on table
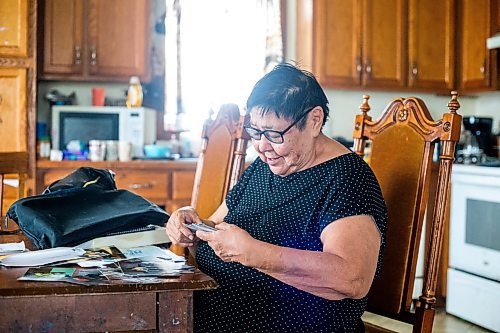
95, 263
12, 247
151, 251
42, 257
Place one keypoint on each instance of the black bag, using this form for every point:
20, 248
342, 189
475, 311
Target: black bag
80, 207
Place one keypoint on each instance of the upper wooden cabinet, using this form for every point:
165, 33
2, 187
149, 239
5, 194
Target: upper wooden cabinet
384, 43
477, 65
337, 47
13, 115
351, 48
95, 39
431, 45
63, 37
387, 44
14, 28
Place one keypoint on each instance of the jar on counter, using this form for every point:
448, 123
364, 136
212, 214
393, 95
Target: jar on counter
134, 93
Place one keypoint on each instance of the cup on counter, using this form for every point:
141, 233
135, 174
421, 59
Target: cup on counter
124, 151
98, 95
56, 155
97, 150
111, 150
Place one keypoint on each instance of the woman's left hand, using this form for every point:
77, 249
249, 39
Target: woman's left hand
229, 242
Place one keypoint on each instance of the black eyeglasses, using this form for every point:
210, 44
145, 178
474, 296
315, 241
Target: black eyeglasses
272, 135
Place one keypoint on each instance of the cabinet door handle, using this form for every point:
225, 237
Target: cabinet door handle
359, 68
368, 68
1, 99
482, 69
93, 56
358, 65
78, 55
414, 70
137, 186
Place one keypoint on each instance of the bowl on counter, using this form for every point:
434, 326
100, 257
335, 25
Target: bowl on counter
155, 151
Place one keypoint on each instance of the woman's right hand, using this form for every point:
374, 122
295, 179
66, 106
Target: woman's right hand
176, 226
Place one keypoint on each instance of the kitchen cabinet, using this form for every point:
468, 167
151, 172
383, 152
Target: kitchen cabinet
13, 110
92, 40
18, 29
351, 48
431, 45
14, 28
478, 67
385, 44
169, 184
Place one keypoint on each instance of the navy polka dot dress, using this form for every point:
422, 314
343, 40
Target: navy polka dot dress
289, 211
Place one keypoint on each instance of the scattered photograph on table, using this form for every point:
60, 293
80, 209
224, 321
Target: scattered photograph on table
58, 274
89, 277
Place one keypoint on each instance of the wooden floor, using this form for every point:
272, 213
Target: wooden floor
443, 323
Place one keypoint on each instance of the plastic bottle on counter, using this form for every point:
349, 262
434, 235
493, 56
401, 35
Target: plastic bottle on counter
43, 147
134, 94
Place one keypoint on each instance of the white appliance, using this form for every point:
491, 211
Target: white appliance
493, 42
473, 285
85, 123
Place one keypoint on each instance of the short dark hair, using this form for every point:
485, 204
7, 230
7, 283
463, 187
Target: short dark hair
288, 92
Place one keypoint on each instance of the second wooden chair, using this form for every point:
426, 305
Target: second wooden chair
14, 165
221, 161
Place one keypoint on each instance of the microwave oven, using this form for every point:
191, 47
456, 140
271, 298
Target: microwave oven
85, 123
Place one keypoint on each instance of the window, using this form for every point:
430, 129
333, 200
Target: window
215, 52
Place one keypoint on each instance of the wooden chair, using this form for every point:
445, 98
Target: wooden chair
401, 155
221, 161
17, 165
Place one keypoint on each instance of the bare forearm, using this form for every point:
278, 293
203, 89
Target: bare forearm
319, 273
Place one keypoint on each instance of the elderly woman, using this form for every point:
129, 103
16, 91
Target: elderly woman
300, 236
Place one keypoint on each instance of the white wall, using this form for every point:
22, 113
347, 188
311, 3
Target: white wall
344, 104
83, 92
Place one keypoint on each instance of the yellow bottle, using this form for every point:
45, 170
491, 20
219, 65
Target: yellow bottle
134, 94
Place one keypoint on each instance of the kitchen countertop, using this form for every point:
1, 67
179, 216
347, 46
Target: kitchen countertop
140, 164
475, 169
474, 174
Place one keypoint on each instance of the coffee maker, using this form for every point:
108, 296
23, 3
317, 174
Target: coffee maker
481, 129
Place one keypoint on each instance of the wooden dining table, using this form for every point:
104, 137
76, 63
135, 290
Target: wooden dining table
166, 306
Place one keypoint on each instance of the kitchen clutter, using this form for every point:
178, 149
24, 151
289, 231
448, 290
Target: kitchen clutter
115, 150
98, 150
54, 97
111, 133
156, 151
477, 142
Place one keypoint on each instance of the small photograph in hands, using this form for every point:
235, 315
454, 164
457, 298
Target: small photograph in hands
200, 226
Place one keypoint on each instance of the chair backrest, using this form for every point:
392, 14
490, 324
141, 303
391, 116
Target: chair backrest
14, 167
221, 161
402, 140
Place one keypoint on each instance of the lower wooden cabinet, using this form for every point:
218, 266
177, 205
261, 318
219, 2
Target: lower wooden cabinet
167, 183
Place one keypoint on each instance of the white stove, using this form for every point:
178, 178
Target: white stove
473, 284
